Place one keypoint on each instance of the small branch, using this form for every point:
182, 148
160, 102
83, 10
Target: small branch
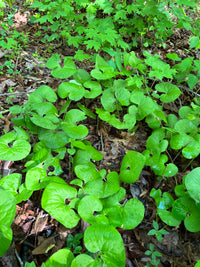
17, 93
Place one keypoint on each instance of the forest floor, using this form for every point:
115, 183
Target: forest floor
34, 231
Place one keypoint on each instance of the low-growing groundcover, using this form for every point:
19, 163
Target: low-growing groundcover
128, 88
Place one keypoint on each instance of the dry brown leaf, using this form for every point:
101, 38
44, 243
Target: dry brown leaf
45, 246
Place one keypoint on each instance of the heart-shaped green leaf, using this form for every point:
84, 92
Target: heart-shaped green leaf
67, 71
101, 188
13, 147
132, 165
61, 258
81, 76
7, 214
83, 260
36, 179
53, 139
53, 201
186, 209
107, 242
87, 206
114, 199
95, 89
179, 140
11, 183
127, 217
171, 91
23, 194
192, 150
44, 116
53, 61
108, 100
72, 90
170, 170
167, 217
43, 92
69, 125
185, 126
192, 183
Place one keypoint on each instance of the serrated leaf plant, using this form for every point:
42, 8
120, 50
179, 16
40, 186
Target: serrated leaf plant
129, 25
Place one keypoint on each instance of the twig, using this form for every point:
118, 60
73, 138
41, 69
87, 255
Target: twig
17, 93
189, 90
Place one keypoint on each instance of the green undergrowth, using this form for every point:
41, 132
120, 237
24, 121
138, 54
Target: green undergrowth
128, 89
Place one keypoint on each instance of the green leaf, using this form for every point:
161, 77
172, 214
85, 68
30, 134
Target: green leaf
44, 115
53, 61
16, 109
112, 120
81, 76
107, 242
131, 167
53, 201
114, 199
192, 183
155, 225
101, 188
36, 179
192, 150
53, 139
173, 56
192, 80
87, 111
86, 172
72, 90
185, 126
179, 140
83, 260
80, 55
69, 125
108, 100
67, 71
2, 4
13, 147
102, 70
133, 214
100, 75
170, 170
87, 206
167, 217
11, 183
127, 217
32, 264
185, 209
43, 93
7, 214
155, 142
160, 69
23, 194
171, 91
194, 40
86, 153
122, 95
152, 232
95, 89
162, 202
61, 258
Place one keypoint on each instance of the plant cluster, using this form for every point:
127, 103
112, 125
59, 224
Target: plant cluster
44, 134
118, 24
